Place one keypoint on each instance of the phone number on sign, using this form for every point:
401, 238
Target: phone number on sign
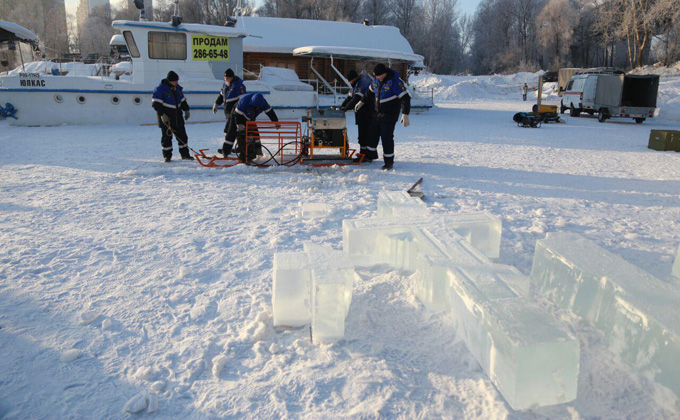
214, 53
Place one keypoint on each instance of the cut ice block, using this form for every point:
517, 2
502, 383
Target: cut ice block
527, 354
676, 265
482, 230
291, 289
638, 314
360, 236
396, 203
313, 286
436, 252
332, 279
315, 210
398, 250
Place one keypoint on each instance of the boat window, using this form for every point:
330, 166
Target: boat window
130, 40
167, 46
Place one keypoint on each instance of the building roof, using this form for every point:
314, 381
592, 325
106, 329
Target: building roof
280, 35
360, 54
184, 27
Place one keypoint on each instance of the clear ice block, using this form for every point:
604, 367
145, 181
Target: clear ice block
638, 314
395, 203
291, 290
676, 265
531, 359
360, 236
315, 210
332, 280
482, 230
399, 250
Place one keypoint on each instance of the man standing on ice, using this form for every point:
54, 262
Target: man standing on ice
232, 90
525, 88
362, 117
387, 87
168, 101
248, 108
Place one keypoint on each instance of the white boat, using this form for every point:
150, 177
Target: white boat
48, 93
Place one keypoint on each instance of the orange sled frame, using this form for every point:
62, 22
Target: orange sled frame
281, 144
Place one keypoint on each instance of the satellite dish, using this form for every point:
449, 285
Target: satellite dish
139, 4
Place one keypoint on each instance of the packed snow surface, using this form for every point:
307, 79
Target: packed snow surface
132, 286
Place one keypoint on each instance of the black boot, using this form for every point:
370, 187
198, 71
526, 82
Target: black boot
167, 159
187, 157
389, 163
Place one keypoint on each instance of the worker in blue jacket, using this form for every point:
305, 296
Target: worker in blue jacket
232, 90
390, 98
168, 101
248, 108
363, 117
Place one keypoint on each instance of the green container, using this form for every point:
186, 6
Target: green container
664, 140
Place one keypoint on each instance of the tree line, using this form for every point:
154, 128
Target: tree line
501, 36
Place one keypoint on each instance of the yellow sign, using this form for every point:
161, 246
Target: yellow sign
209, 48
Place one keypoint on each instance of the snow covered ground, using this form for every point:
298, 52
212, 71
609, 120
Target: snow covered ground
126, 282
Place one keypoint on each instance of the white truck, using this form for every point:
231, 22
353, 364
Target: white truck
612, 95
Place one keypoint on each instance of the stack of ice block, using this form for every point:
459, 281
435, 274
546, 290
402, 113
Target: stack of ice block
676, 265
396, 203
638, 314
528, 355
313, 286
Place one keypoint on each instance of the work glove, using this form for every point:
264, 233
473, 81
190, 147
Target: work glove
278, 126
343, 109
241, 127
187, 114
165, 119
214, 109
405, 120
358, 106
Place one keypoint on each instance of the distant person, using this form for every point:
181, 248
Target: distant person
232, 90
168, 101
389, 97
248, 108
525, 88
363, 117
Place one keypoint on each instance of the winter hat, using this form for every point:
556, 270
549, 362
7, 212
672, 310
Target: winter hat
172, 76
379, 69
352, 74
229, 73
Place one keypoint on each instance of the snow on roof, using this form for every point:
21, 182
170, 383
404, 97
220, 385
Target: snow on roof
357, 53
117, 39
184, 27
280, 35
19, 31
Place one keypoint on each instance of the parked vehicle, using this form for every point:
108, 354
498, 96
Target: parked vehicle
612, 95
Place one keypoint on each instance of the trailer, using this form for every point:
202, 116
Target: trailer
612, 95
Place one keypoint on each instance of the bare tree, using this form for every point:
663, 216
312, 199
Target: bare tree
376, 12
666, 15
556, 23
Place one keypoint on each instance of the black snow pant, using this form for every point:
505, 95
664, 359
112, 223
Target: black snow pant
366, 140
166, 139
383, 127
524, 96
245, 148
229, 134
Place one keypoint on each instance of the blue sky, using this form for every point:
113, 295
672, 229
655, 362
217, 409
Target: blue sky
464, 6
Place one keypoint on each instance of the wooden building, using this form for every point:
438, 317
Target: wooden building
273, 41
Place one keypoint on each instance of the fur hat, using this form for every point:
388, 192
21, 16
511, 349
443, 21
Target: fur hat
172, 76
352, 74
229, 73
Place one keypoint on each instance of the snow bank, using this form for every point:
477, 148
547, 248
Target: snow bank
464, 89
